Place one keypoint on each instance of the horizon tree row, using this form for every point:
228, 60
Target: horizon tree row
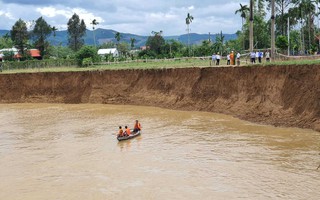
37, 37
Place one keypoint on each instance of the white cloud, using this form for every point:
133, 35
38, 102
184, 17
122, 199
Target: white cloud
52, 12
191, 8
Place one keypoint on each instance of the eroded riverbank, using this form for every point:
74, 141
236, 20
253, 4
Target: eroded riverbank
278, 95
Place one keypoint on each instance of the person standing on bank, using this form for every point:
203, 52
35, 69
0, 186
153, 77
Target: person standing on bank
228, 59
213, 57
238, 59
268, 56
259, 56
218, 57
253, 57
232, 58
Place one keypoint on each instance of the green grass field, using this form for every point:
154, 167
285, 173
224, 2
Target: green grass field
159, 64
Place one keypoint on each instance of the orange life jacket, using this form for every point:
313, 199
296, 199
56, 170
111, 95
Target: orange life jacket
128, 131
137, 126
120, 132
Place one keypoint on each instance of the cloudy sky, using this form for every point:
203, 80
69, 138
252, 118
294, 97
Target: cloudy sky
129, 16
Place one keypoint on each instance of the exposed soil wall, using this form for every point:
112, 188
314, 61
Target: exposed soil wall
278, 95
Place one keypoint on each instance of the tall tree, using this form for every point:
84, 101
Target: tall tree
40, 32
132, 40
243, 10
76, 31
94, 23
281, 7
189, 19
117, 36
305, 12
156, 42
19, 35
220, 42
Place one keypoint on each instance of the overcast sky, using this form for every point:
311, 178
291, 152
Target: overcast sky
139, 17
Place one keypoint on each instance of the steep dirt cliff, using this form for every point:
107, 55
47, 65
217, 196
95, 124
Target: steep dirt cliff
279, 95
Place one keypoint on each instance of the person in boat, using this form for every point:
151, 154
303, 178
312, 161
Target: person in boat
120, 133
137, 126
127, 131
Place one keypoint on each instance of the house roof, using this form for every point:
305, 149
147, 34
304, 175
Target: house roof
13, 50
107, 51
34, 53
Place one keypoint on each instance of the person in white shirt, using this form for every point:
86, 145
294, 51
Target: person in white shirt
253, 57
268, 56
238, 58
213, 57
218, 57
228, 59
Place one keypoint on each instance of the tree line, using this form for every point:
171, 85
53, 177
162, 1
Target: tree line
295, 25
294, 19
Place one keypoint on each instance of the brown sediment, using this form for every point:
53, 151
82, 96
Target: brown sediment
277, 95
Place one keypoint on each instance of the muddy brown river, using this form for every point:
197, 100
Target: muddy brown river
55, 151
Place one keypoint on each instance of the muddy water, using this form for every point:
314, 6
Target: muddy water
52, 151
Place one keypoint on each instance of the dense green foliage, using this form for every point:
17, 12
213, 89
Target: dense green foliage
87, 55
6, 42
301, 15
282, 42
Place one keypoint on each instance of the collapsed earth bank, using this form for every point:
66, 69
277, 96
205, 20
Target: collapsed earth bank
277, 95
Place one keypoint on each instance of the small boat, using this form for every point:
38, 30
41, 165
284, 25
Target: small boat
132, 135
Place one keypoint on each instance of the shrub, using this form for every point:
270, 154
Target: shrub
87, 52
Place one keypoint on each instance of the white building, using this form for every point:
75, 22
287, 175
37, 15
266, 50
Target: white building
13, 50
113, 51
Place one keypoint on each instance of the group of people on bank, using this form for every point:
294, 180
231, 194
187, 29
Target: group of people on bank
127, 132
234, 58
258, 55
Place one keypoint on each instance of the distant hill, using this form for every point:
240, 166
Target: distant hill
107, 35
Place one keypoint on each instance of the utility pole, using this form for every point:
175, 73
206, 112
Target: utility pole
251, 27
272, 30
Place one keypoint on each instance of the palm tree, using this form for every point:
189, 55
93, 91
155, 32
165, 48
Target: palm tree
155, 33
132, 40
251, 27
188, 22
244, 9
54, 30
220, 42
94, 23
117, 36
